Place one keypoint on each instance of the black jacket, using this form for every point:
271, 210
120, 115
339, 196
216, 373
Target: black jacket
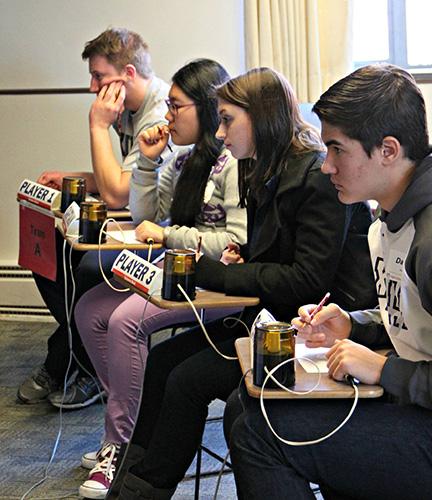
302, 242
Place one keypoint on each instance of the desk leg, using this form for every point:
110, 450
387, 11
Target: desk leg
198, 472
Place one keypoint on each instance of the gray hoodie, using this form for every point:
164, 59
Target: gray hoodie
221, 219
400, 242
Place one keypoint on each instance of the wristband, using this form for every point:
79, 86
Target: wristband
166, 232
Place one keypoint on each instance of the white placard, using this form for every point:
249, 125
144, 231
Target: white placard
71, 220
39, 194
263, 316
139, 272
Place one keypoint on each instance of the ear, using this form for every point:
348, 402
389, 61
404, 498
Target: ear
130, 71
390, 149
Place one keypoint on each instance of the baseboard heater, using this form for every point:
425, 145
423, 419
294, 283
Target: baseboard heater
19, 296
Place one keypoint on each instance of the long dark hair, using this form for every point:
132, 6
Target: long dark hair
197, 80
278, 128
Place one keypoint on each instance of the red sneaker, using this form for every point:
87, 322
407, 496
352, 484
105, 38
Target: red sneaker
101, 476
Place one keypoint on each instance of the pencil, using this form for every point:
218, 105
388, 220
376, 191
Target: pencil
163, 131
320, 305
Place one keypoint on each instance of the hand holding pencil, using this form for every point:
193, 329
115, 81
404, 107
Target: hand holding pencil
153, 141
320, 325
231, 255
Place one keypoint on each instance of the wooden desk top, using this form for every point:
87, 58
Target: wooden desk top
327, 389
111, 244
205, 299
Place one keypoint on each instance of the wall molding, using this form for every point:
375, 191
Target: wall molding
77, 90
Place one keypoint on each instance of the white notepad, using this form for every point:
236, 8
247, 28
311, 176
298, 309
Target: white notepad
316, 354
127, 236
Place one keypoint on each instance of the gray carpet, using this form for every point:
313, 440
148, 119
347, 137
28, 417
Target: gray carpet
28, 432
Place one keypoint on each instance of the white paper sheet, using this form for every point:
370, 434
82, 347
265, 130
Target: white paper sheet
127, 236
316, 354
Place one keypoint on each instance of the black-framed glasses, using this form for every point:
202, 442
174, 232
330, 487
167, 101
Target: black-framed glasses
173, 107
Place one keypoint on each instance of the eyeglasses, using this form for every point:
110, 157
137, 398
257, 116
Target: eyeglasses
173, 107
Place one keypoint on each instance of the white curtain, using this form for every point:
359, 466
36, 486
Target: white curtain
309, 41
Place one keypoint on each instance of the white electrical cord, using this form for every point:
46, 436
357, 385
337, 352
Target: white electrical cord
302, 443
203, 328
68, 317
229, 358
235, 320
101, 233
67, 311
287, 389
270, 376
219, 478
150, 248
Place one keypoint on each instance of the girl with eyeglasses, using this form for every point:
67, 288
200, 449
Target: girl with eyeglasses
196, 192
302, 242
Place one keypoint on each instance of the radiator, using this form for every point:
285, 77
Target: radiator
19, 296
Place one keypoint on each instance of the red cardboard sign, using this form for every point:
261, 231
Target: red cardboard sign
37, 248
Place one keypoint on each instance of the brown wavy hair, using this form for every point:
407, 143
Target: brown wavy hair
279, 131
121, 47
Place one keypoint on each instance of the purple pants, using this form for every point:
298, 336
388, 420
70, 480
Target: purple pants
108, 322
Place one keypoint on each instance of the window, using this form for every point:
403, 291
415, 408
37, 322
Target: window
394, 31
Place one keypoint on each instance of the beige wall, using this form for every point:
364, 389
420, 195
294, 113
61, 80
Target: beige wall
41, 42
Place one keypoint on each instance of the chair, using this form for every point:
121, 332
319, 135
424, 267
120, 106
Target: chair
308, 115
202, 448
205, 449
173, 329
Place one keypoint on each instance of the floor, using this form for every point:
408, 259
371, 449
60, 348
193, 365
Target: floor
28, 433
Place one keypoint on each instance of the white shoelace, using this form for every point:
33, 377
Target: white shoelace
106, 458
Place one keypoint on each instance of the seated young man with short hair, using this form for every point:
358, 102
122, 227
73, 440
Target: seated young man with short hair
131, 98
